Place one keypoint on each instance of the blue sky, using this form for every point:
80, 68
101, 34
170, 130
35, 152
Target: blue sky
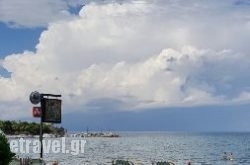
16, 40
129, 65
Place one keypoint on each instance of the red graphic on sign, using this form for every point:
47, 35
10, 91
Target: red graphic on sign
36, 111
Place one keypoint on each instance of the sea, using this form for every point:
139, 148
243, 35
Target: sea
146, 147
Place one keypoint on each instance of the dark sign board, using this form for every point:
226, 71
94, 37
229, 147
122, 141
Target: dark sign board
51, 110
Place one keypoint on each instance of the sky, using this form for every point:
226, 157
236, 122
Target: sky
136, 65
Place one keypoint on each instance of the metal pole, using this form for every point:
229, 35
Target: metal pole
41, 133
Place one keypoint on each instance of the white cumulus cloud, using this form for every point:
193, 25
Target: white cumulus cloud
130, 56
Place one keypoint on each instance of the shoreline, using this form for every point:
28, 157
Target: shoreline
83, 135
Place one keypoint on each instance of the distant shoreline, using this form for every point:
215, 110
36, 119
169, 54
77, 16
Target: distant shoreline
92, 134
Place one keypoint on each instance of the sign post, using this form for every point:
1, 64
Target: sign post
41, 135
50, 111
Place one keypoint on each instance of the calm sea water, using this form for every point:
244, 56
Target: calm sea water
200, 148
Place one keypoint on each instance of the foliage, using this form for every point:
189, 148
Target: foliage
18, 127
6, 155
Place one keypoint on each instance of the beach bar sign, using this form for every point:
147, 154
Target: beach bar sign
50, 109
